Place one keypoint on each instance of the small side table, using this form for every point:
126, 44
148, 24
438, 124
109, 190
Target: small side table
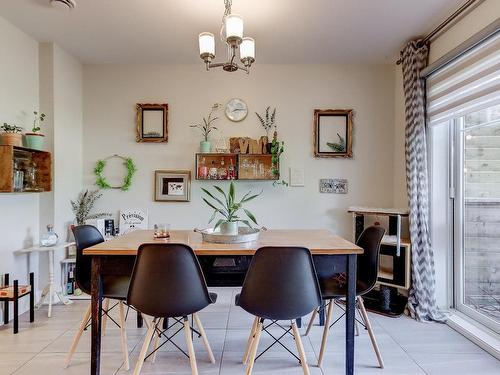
49, 290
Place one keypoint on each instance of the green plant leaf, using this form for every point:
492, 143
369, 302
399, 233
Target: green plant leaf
226, 198
231, 192
246, 222
212, 196
210, 204
250, 216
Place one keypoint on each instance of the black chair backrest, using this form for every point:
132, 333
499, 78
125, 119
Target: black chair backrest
368, 263
85, 236
167, 281
281, 284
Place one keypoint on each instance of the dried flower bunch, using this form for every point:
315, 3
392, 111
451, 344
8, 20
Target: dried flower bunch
268, 120
206, 126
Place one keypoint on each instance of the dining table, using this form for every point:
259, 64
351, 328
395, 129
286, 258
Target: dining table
225, 265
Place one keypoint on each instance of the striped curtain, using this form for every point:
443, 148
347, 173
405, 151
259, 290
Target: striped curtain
421, 300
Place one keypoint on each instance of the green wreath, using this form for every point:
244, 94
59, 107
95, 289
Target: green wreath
127, 181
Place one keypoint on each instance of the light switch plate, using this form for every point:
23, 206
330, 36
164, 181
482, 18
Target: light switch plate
297, 177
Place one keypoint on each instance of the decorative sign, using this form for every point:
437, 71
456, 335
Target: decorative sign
245, 145
333, 185
131, 220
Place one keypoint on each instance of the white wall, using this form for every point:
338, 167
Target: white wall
473, 22
18, 99
111, 92
61, 101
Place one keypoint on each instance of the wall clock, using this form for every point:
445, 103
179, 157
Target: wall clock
236, 110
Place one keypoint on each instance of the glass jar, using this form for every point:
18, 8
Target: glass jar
50, 237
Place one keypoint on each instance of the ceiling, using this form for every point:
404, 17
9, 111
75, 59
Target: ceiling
285, 31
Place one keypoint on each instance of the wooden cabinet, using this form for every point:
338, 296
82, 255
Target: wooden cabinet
23, 158
245, 167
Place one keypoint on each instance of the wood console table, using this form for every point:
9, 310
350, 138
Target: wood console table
332, 254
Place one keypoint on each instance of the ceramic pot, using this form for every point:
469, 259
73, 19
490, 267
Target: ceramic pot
34, 141
11, 139
205, 147
229, 228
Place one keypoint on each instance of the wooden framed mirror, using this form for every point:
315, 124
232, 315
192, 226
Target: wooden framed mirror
152, 123
332, 133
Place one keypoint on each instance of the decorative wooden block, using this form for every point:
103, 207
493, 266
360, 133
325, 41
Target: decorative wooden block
245, 145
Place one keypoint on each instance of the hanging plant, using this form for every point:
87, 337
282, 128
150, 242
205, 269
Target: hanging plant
127, 180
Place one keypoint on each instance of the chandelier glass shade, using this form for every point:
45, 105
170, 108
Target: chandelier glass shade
232, 30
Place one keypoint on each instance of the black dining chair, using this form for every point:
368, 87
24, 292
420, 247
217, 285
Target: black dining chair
335, 288
280, 284
113, 288
167, 282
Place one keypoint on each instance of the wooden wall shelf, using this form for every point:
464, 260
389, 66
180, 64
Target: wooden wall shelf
24, 157
256, 167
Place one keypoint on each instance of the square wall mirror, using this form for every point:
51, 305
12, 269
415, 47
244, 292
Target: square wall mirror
152, 123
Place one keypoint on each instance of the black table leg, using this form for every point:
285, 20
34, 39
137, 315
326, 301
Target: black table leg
16, 306
350, 314
140, 321
96, 306
322, 313
32, 297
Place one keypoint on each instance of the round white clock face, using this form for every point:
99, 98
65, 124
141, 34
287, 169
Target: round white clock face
236, 110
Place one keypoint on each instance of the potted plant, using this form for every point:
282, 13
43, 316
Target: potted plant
11, 135
34, 139
228, 207
206, 128
83, 205
268, 121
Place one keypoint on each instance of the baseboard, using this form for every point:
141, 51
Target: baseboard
477, 333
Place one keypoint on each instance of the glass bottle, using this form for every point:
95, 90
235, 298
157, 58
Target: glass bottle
212, 172
202, 169
231, 175
50, 237
222, 170
30, 177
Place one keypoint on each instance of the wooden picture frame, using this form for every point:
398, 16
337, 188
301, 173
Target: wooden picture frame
152, 123
332, 129
172, 186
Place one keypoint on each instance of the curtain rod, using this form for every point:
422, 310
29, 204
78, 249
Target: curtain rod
444, 24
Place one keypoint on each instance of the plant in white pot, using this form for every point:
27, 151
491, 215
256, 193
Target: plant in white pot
206, 128
34, 139
11, 135
225, 205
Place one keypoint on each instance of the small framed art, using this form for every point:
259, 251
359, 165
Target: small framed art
152, 123
172, 186
332, 133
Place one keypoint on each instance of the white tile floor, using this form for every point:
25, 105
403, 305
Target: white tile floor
408, 347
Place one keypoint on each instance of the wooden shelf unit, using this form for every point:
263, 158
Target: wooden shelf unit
43, 160
250, 167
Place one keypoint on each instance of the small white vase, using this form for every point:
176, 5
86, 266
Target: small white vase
229, 228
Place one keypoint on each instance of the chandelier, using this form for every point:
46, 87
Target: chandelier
232, 27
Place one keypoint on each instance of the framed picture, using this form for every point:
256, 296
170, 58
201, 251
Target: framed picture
172, 186
332, 133
152, 123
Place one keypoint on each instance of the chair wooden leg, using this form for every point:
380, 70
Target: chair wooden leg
300, 349
311, 322
78, 335
254, 347
145, 346
123, 335
326, 330
204, 338
370, 332
157, 341
250, 340
104, 319
189, 342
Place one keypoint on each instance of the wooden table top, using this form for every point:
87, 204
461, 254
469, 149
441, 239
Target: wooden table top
318, 241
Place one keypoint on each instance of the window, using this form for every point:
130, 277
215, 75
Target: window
464, 99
